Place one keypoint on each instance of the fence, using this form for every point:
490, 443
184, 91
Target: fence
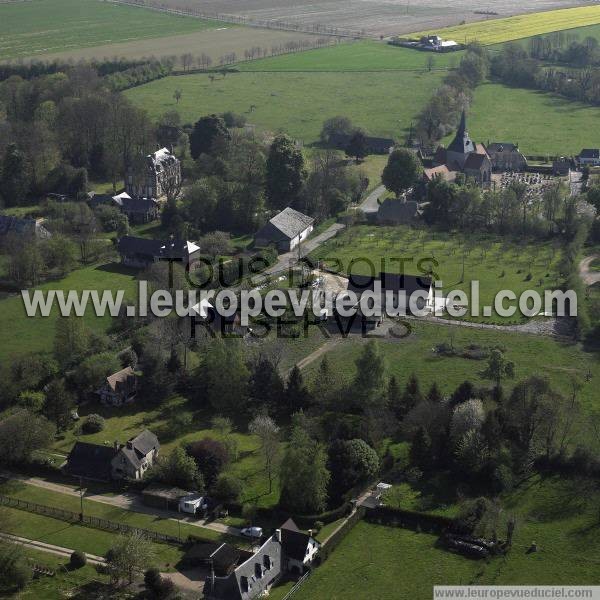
297, 585
94, 522
335, 538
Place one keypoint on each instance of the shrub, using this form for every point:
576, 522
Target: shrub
78, 559
211, 456
228, 488
93, 424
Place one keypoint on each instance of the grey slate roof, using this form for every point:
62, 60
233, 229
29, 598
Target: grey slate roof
151, 249
90, 461
462, 143
475, 161
590, 153
495, 147
294, 541
397, 211
136, 448
389, 281
291, 222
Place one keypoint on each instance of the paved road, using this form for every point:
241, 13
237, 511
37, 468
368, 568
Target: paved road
128, 501
588, 276
371, 202
50, 548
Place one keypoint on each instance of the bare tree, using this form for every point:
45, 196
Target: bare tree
265, 428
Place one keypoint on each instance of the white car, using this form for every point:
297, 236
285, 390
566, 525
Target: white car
252, 532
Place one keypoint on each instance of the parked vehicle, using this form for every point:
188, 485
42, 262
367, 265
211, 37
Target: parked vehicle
252, 532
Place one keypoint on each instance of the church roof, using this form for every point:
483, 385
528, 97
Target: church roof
462, 143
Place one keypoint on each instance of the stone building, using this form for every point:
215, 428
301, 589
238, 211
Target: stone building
160, 174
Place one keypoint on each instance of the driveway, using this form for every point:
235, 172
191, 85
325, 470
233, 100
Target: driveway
371, 203
127, 501
588, 276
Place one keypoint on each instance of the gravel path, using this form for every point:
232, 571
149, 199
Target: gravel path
589, 277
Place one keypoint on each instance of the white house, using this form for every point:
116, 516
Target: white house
285, 230
135, 457
192, 503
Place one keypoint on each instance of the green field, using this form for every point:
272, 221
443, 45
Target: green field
541, 123
404, 565
37, 333
495, 31
357, 56
297, 103
43, 26
532, 355
498, 263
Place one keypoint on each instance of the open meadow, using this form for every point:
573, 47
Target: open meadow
371, 83
404, 565
541, 123
495, 31
40, 27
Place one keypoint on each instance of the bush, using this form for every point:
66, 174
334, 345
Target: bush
93, 424
78, 559
228, 488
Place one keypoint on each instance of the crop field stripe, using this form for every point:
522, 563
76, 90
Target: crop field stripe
495, 31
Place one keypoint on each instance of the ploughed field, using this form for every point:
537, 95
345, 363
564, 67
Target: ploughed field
374, 17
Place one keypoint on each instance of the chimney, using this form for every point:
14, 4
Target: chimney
116, 445
278, 535
310, 533
130, 444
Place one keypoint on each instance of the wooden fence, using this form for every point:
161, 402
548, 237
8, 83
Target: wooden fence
94, 522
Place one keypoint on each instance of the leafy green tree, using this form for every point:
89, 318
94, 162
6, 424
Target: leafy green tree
304, 474
208, 135
403, 170
499, 367
394, 396
286, 173
179, 469
21, 434
15, 177
350, 462
369, 380
335, 126
59, 404
266, 387
129, 556
296, 393
61, 254
357, 145
434, 394
421, 450
228, 488
15, 571
326, 385
410, 398
227, 395
71, 340
92, 371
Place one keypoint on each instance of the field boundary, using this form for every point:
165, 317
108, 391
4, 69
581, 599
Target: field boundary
81, 519
239, 20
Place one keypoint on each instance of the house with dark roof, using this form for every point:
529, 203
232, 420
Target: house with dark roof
373, 145
506, 156
161, 172
589, 157
136, 456
222, 558
396, 291
463, 155
23, 227
96, 462
288, 550
141, 252
90, 461
398, 212
119, 388
285, 230
138, 209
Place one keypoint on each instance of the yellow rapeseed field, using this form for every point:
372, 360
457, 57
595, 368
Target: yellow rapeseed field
495, 31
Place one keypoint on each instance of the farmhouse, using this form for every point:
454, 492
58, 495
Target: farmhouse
288, 550
24, 228
397, 212
119, 388
589, 157
285, 230
141, 252
160, 175
103, 463
462, 156
506, 157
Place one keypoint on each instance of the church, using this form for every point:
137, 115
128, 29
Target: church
462, 156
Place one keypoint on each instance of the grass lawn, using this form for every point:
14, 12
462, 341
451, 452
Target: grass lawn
495, 31
358, 56
37, 333
297, 102
65, 580
45, 26
106, 511
77, 537
532, 355
121, 424
541, 123
404, 565
496, 262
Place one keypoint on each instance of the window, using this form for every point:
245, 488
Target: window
244, 584
267, 561
258, 570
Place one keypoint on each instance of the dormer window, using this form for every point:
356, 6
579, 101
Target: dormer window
244, 584
258, 570
267, 561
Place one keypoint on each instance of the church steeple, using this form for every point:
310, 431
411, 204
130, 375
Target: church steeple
462, 128
462, 143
